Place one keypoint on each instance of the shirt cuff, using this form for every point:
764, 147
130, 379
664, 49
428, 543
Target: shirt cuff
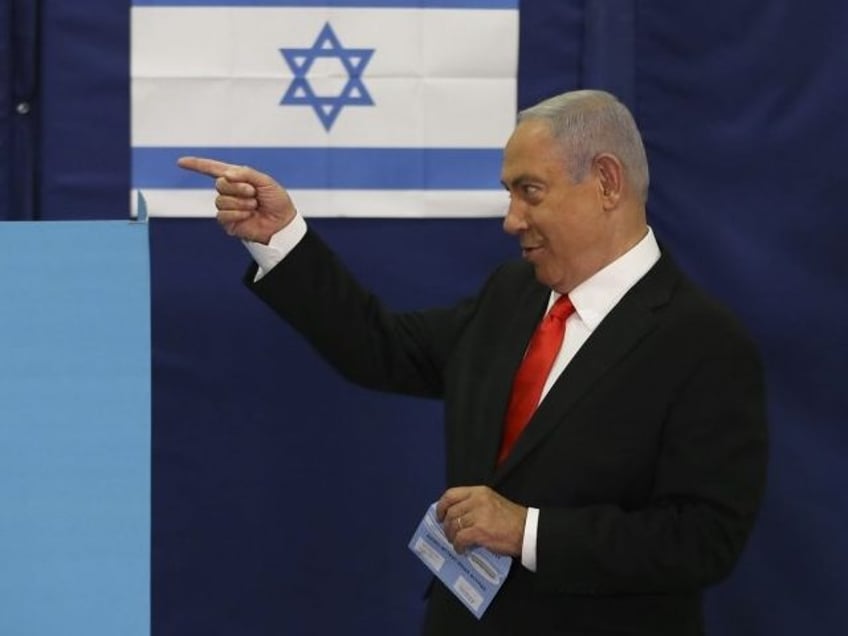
281, 243
528, 545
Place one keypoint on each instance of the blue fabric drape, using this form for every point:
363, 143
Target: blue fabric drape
609, 48
742, 115
85, 114
19, 109
6, 108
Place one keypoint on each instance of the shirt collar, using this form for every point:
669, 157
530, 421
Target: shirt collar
595, 297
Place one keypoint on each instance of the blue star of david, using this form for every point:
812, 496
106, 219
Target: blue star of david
300, 92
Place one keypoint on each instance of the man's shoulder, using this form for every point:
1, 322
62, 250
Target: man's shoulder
699, 313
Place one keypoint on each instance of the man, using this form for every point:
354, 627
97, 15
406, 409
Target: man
635, 481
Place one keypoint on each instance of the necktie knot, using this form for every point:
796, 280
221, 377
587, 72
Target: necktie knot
561, 309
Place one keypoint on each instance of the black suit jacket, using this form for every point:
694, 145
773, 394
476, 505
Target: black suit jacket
646, 459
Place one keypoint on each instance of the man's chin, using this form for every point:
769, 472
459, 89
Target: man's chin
542, 276
548, 278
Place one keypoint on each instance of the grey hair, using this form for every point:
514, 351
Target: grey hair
591, 122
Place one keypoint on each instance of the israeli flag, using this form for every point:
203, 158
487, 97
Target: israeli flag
378, 108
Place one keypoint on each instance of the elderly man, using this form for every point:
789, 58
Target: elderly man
604, 418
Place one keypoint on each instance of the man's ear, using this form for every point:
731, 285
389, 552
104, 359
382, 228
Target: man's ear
609, 173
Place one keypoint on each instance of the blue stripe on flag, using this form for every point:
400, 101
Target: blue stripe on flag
333, 168
398, 4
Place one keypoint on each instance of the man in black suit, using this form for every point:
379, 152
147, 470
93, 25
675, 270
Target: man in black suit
637, 479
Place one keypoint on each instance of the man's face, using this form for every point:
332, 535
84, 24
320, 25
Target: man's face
560, 224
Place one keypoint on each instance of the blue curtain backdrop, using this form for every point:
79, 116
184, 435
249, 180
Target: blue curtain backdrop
283, 497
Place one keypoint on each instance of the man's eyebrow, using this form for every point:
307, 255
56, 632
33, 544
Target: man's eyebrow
515, 181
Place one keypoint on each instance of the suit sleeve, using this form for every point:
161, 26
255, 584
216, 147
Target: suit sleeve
350, 327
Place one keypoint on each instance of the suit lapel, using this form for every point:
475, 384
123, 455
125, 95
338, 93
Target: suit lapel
622, 329
530, 307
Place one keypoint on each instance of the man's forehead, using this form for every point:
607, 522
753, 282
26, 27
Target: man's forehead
533, 145
535, 127
534, 138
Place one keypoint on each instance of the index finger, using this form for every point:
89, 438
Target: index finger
209, 167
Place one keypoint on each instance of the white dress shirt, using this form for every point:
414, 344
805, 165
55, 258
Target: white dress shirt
593, 299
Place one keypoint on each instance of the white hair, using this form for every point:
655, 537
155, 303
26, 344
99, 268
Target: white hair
591, 122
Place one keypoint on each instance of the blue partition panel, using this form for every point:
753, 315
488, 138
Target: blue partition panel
74, 429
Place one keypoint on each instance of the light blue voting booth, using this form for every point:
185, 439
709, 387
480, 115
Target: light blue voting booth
74, 429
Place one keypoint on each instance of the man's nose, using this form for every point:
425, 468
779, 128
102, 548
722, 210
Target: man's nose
514, 221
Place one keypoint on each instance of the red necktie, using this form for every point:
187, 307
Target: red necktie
533, 372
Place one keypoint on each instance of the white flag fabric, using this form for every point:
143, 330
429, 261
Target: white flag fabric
379, 108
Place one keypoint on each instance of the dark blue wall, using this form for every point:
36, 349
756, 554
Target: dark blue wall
283, 498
